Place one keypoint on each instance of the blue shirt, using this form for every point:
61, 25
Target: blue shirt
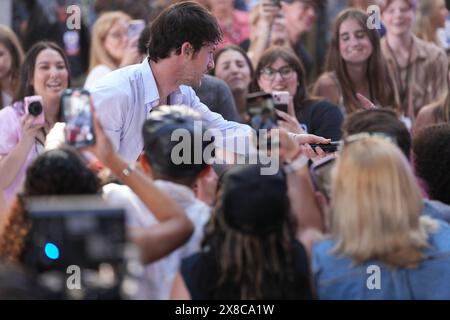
338, 278
124, 98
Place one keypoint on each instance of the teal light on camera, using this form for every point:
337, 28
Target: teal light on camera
51, 251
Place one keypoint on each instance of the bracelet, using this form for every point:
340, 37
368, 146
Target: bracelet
129, 169
298, 163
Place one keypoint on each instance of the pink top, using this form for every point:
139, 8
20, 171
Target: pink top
10, 134
239, 31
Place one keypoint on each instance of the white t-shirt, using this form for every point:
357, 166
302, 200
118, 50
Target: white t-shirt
158, 277
97, 73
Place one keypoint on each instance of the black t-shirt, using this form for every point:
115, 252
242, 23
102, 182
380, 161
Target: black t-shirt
321, 118
200, 273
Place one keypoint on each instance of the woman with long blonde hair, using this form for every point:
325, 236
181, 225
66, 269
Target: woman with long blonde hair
377, 224
111, 48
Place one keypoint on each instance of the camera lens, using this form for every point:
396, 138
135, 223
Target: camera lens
35, 108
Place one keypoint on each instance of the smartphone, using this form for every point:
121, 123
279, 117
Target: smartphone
34, 105
135, 28
333, 146
281, 100
320, 173
261, 110
79, 130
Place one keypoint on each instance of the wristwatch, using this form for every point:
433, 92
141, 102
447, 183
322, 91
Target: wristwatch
129, 169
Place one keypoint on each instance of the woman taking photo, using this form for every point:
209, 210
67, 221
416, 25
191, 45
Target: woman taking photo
111, 48
45, 72
279, 69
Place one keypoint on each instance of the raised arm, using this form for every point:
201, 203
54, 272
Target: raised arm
174, 229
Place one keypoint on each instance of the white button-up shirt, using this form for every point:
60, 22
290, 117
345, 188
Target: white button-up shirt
124, 97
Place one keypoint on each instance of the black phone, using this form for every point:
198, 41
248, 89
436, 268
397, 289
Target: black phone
333, 146
77, 113
261, 110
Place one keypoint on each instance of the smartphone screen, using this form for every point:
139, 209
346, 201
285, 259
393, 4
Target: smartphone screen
135, 28
79, 131
261, 110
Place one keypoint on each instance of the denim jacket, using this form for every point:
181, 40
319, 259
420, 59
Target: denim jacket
339, 278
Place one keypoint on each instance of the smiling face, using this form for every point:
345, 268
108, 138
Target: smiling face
234, 70
398, 17
50, 76
354, 42
279, 76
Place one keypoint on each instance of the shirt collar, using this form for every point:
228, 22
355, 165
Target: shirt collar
151, 94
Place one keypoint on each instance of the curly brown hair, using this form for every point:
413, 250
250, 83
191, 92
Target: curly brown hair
56, 172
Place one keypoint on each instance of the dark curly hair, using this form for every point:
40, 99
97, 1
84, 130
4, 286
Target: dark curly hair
56, 172
431, 149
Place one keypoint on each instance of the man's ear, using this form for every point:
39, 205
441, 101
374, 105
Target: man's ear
145, 165
187, 49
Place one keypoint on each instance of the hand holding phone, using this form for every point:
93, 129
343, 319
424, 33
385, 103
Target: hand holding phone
34, 106
135, 28
281, 100
79, 130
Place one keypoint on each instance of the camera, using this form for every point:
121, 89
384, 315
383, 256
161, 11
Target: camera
34, 106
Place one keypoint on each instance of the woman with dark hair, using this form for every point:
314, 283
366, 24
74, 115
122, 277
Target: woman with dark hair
249, 250
279, 69
11, 57
45, 72
56, 172
355, 65
233, 66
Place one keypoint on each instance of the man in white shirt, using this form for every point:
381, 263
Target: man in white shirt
182, 42
175, 180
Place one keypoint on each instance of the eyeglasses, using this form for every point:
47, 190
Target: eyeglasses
285, 72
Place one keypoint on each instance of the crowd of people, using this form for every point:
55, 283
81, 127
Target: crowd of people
214, 226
